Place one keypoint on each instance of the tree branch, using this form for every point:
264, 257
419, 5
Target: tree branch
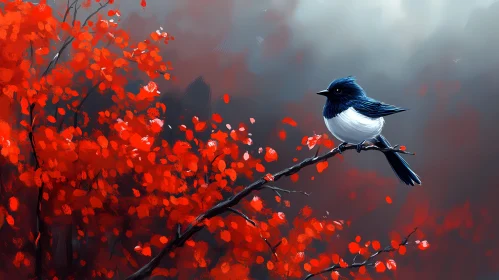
367, 262
223, 206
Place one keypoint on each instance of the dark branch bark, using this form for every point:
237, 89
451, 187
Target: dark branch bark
223, 206
367, 262
39, 219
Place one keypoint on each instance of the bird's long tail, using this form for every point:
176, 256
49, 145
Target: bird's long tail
398, 164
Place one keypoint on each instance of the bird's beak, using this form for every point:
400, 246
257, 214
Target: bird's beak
323, 92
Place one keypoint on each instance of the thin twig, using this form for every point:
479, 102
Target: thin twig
317, 152
208, 174
272, 248
102, 6
74, 14
277, 190
242, 215
70, 39
367, 262
77, 110
69, 7
146, 270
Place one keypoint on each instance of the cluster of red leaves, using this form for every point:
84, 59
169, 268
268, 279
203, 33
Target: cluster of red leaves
114, 180
250, 245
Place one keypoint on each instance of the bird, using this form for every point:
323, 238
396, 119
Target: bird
355, 118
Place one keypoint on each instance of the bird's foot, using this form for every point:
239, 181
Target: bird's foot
359, 146
341, 147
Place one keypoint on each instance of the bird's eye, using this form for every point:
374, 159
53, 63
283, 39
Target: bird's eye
337, 90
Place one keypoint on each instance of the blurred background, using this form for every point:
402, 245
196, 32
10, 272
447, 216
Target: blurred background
439, 58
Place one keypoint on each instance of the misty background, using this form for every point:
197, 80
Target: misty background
438, 58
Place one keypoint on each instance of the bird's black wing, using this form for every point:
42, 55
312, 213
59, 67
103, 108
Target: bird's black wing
375, 109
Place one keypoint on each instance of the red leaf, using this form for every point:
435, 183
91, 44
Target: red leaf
9, 219
259, 167
402, 250
146, 251
61, 111
151, 87
216, 118
13, 204
221, 165
269, 177
231, 173
312, 141
51, 119
282, 135
423, 245
388, 200
380, 267
270, 154
95, 202
256, 203
321, 166
225, 267
353, 247
200, 126
306, 211
391, 264
290, 121
102, 141
335, 258
226, 98
225, 235
270, 265
376, 245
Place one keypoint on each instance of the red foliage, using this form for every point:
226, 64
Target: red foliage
103, 180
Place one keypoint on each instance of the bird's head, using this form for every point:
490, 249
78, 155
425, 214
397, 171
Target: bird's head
343, 88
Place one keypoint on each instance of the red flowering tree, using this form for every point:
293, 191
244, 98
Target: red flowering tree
83, 190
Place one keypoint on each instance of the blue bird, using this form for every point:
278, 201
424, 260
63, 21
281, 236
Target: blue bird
353, 117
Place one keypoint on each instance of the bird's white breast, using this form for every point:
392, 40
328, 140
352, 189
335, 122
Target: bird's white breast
352, 127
